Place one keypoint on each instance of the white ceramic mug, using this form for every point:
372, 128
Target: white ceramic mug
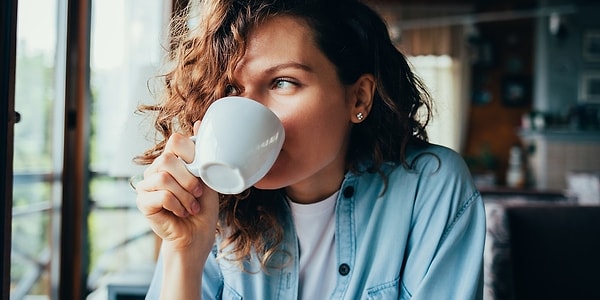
236, 145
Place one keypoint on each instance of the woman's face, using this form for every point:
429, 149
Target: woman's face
284, 70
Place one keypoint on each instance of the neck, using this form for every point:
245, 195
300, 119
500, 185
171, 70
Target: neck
312, 191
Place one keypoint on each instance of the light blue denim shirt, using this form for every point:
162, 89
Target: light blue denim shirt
421, 238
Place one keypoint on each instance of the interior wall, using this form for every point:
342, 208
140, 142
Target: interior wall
501, 57
560, 61
501, 93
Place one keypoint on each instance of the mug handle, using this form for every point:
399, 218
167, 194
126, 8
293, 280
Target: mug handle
191, 166
236, 183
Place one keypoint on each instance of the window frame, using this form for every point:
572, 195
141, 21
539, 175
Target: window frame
74, 209
75, 234
72, 253
72, 260
8, 19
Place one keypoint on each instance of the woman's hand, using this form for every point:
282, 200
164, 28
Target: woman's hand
181, 209
183, 212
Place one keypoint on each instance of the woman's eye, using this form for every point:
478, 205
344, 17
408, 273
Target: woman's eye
282, 83
231, 90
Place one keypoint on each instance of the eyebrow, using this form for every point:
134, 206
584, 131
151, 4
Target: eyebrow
293, 65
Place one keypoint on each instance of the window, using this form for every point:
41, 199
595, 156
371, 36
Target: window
38, 138
125, 56
125, 52
445, 80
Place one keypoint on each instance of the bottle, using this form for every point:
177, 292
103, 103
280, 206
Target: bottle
515, 175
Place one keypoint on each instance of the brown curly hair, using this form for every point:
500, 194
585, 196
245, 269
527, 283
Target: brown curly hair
351, 35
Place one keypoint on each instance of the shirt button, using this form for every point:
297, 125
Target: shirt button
344, 269
348, 191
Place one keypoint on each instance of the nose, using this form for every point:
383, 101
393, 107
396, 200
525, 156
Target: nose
260, 98
254, 96
247, 93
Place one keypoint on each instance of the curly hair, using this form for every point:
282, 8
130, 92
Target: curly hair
351, 35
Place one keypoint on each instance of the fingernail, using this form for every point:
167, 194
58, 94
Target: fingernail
197, 191
195, 207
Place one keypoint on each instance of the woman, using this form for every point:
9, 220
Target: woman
358, 204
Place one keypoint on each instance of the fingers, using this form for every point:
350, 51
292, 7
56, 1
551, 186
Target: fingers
172, 164
181, 146
167, 183
162, 191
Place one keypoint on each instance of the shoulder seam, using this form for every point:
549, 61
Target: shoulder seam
459, 214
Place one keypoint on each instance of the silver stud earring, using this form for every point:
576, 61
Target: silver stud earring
360, 116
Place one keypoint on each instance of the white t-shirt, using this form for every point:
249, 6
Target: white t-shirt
315, 227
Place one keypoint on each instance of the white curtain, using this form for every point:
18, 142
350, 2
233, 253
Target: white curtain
447, 81
438, 55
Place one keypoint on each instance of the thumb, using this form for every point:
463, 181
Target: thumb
196, 126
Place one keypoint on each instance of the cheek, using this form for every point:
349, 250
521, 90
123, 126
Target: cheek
293, 131
309, 135
313, 138
313, 121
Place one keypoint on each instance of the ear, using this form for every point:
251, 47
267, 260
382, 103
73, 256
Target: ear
362, 92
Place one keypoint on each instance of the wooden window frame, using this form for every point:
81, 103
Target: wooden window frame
8, 34
73, 245
73, 263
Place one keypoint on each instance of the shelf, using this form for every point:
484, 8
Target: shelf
562, 135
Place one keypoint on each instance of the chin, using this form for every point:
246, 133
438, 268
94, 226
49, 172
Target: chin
267, 184
274, 179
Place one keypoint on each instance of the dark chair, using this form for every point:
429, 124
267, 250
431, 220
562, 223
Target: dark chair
555, 251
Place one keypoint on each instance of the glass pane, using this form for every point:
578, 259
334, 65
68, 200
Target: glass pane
38, 146
126, 50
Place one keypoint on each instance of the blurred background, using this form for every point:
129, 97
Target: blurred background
516, 85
